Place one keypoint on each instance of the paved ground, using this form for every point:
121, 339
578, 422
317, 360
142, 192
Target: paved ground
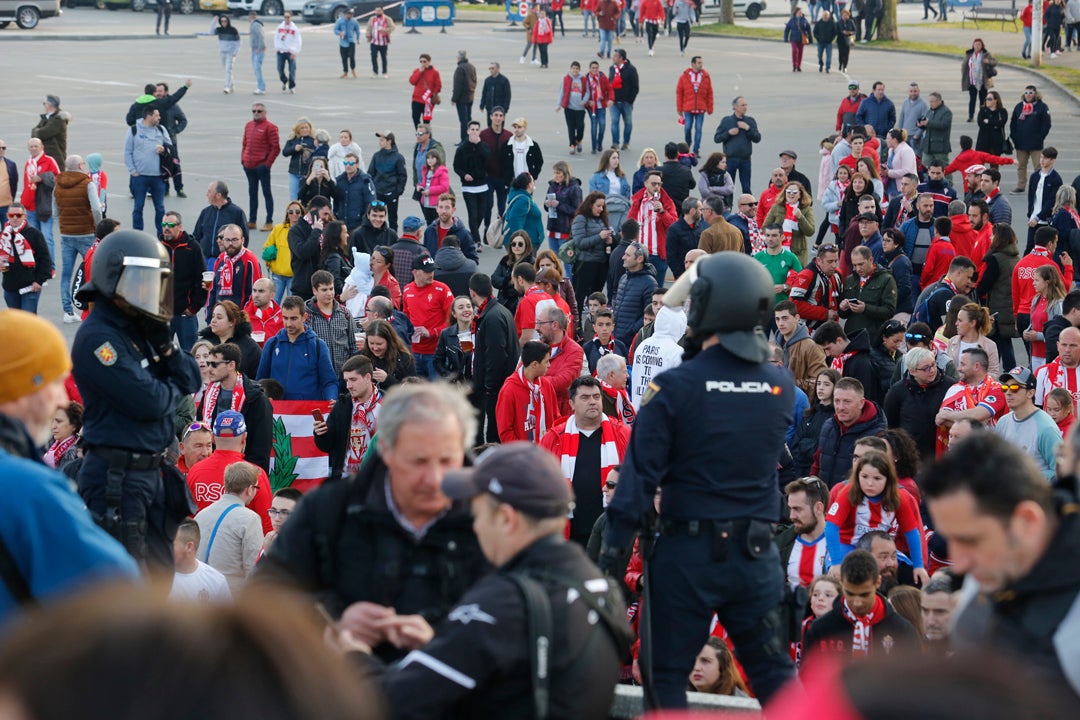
97, 81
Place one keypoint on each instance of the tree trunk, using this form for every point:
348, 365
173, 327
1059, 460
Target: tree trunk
727, 12
889, 29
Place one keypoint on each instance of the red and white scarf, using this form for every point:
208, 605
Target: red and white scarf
757, 237
695, 79
863, 634
609, 451
56, 453
379, 36
1074, 215
624, 409
594, 92
429, 106
646, 218
225, 288
992, 194
837, 363
535, 415
1026, 110
616, 81
361, 430
791, 223
213, 391
13, 244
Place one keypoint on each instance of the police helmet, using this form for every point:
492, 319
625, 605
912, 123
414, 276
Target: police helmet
731, 296
132, 266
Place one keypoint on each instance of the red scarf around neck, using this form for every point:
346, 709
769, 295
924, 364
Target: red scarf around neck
13, 244
361, 430
211, 398
56, 453
624, 409
863, 625
609, 451
225, 288
535, 417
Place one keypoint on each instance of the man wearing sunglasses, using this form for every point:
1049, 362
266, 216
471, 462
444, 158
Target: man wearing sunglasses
355, 192
259, 150
1026, 426
188, 263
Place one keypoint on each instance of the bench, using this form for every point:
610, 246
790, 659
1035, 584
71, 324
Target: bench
953, 4
1004, 15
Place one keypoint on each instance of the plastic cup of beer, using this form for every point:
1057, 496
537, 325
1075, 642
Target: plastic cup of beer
208, 279
466, 340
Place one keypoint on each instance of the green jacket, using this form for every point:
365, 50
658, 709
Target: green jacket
879, 294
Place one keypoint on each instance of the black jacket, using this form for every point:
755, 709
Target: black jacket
485, 638
1052, 331
534, 160
19, 276
135, 112
403, 368
861, 366
388, 172
304, 246
678, 182
250, 352
807, 435
335, 441
258, 416
326, 187
502, 280
454, 269
629, 91
681, 239
913, 407
211, 220
471, 159
836, 446
344, 545
298, 159
495, 93
832, 634
188, 265
497, 350
366, 237
450, 361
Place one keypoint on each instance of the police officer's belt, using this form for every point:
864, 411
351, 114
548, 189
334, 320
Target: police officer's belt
128, 459
694, 528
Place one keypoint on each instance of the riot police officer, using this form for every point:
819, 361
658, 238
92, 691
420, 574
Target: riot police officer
710, 432
131, 375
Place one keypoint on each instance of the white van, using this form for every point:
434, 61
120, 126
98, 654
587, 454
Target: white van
27, 13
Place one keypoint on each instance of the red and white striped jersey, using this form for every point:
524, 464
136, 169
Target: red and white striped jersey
1055, 375
807, 561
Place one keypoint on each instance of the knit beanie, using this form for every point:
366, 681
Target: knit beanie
33, 354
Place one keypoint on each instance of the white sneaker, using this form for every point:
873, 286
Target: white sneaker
259, 92
535, 62
651, 53
522, 60
70, 318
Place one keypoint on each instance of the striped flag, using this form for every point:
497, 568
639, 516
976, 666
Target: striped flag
295, 461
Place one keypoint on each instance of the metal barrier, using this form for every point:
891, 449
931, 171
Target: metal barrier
629, 703
516, 10
427, 13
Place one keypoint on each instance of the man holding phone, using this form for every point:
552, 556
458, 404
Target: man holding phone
305, 243
346, 435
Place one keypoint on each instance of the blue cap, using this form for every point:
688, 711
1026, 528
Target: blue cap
412, 224
229, 423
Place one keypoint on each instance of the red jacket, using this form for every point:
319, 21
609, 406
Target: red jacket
511, 409
765, 202
967, 158
566, 364
664, 220
980, 246
847, 105
543, 32
1023, 278
815, 295
938, 258
428, 307
687, 100
261, 145
552, 442
207, 484
652, 11
45, 164
963, 237
266, 320
422, 81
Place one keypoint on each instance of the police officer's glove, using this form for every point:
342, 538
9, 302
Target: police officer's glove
159, 334
612, 562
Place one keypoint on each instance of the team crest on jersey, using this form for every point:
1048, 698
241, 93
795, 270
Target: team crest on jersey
106, 354
833, 508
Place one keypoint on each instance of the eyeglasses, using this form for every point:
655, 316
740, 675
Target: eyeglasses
609, 485
926, 368
348, 163
165, 224
256, 112
294, 211
283, 514
540, 323
222, 238
1013, 387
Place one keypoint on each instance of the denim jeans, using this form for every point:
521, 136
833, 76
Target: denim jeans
186, 328
815, 10
294, 186
282, 60
625, 111
590, 19
425, 367
27, 302
694, 122
259, 176
826, 50
256, 65
282, 286
227, 60
605, 42
661, 268
140, 185
597, 121
70, 246
741, 167
1025, 51
46, 228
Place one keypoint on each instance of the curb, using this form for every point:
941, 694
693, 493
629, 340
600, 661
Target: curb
92, 38
1022, 68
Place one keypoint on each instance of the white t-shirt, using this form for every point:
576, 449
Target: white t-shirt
205, 585
521, 149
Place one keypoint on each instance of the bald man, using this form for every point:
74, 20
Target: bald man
1062, 372
264, 313
692, 256
742, 217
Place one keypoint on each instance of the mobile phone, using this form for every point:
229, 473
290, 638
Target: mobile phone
317, 414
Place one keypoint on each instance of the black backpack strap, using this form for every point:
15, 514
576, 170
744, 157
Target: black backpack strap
541, 629
13, 578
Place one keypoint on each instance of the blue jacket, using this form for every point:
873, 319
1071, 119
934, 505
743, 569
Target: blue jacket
130, 398
879, 114
837, 446
796, 27
634, 294
468, 246
56, 547
303, 368
140, 149
350, 27
899, 265
353, 198
521, 214
599, 182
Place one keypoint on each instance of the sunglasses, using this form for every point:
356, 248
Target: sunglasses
609, 485
16, 215
169, 224
348, 163
517, 244
215, 363
829, 247
915, 337
222, 238
753, 204
294, 211
194, 427
377, 204
1013, 387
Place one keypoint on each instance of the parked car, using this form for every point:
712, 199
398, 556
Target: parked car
317, 12
27, 13
267, 7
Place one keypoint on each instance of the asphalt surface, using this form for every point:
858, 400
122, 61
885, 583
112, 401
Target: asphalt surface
98, 81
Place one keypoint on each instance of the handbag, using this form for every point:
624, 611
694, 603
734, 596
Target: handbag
1006, 145
269, 253
494, 235
568, 253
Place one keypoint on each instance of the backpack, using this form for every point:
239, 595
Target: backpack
496, 232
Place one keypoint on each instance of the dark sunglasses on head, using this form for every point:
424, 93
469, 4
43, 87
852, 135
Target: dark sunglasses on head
828, 247
891, 327
915, 337
377, 204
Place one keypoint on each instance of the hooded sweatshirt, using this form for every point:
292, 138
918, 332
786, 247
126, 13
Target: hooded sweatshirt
659, 352
454, 269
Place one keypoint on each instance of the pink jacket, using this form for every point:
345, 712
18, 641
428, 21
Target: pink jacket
440, 183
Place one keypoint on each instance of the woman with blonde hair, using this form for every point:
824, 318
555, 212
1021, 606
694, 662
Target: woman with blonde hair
276, 253
1046, 305
649, 160
318, 181
973, 324
795, 215
299, 146
1066, 220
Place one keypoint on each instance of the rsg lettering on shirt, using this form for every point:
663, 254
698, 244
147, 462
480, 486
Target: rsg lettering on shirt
747, 386
208, 492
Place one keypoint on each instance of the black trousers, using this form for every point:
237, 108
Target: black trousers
348, 57
589, 277
485, 403
651, 31
543, 53
417, 113
575, 126
464, 114
476, 204
391, 210
164, 10
378, 51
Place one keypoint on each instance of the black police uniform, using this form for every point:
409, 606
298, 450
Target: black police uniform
478, 665
344, 544
710, 432
130, 395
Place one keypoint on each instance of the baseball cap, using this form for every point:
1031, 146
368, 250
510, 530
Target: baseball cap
976, 169
852, 84
229, 423
869, 216
425, 263
790, 153
412, 224
1021, 375
388, 135
520, 474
